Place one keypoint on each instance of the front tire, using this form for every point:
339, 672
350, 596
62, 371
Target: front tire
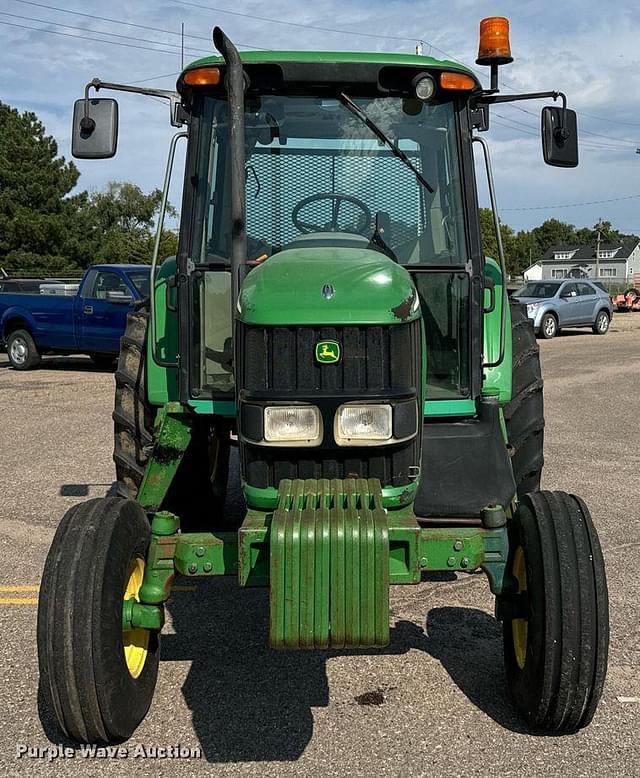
601, 324
98, 679
548, 326
556, 628
22, 351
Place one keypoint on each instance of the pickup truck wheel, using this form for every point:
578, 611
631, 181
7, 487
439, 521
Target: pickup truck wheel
22, 350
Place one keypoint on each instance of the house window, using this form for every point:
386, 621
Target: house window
558, 272
607, 254
609, 272
563, 254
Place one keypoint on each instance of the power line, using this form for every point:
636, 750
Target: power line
123, 22
297, 24
98, 32
530, 130
572, 205
87, 38
154, 78
107, 19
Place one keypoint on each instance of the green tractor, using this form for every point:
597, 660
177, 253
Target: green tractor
331, 337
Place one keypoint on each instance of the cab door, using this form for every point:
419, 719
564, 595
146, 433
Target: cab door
102, 312
568, 305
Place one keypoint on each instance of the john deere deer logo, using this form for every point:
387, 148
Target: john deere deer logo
327, 352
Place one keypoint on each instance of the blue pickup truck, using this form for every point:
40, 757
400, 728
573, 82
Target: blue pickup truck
90, 322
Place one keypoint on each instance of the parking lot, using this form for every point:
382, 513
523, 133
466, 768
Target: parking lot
433, 703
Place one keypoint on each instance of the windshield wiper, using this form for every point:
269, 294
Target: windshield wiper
380, 134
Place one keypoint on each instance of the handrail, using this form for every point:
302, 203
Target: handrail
503, 266
156, 249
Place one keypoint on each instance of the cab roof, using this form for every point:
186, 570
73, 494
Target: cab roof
336, 58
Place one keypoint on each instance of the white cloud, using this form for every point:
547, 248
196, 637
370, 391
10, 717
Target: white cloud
580, 47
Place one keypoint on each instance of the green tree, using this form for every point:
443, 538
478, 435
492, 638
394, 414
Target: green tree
553, 232
490, 242
121, 219
35, 211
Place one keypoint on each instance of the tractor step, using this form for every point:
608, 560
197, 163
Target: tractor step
329, 565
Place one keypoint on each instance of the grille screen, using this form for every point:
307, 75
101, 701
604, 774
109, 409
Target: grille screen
281, 359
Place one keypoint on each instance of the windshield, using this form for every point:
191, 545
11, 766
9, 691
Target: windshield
317, 175
140, 279
541, 289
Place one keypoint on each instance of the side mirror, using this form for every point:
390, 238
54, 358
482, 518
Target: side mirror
559, 141
95, 136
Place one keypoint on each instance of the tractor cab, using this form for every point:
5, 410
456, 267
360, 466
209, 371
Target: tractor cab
347, 172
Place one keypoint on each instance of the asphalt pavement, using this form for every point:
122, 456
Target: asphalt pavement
433, 703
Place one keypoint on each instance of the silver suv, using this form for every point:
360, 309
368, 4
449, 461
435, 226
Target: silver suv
553, 305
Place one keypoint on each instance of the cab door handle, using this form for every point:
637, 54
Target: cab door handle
88, 309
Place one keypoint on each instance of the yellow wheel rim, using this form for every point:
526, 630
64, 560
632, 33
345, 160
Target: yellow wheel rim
135, 641
520, 627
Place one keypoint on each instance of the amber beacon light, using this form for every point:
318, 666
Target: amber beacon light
494, 46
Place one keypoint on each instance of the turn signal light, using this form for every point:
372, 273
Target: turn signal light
460, 81
202, 77
494, 41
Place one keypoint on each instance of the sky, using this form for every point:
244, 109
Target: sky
584, 48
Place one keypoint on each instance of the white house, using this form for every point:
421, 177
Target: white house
613, 262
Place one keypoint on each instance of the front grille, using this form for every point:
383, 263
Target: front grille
374, 359
278, 363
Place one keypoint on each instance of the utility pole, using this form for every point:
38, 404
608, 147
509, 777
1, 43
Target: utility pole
182, 46
599, 225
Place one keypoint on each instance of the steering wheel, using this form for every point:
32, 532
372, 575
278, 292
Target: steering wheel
363, 225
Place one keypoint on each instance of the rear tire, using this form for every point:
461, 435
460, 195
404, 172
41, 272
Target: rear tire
556, 629
198, 489
133, 414
96, 692
524, 414
22, 350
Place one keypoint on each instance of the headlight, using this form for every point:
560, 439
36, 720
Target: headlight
298, 424
532, 308
362, 424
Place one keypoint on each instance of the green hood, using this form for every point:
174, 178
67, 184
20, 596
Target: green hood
289, 289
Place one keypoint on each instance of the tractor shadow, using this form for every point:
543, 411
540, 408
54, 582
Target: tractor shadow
251, 703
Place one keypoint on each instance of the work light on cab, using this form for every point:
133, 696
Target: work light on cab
424, 86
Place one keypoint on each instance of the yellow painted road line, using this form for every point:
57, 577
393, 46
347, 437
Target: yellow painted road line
29, 588
18, 600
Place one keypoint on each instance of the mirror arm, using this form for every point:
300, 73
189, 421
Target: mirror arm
488, 98
175, 102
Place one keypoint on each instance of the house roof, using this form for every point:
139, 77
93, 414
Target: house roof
588, 253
